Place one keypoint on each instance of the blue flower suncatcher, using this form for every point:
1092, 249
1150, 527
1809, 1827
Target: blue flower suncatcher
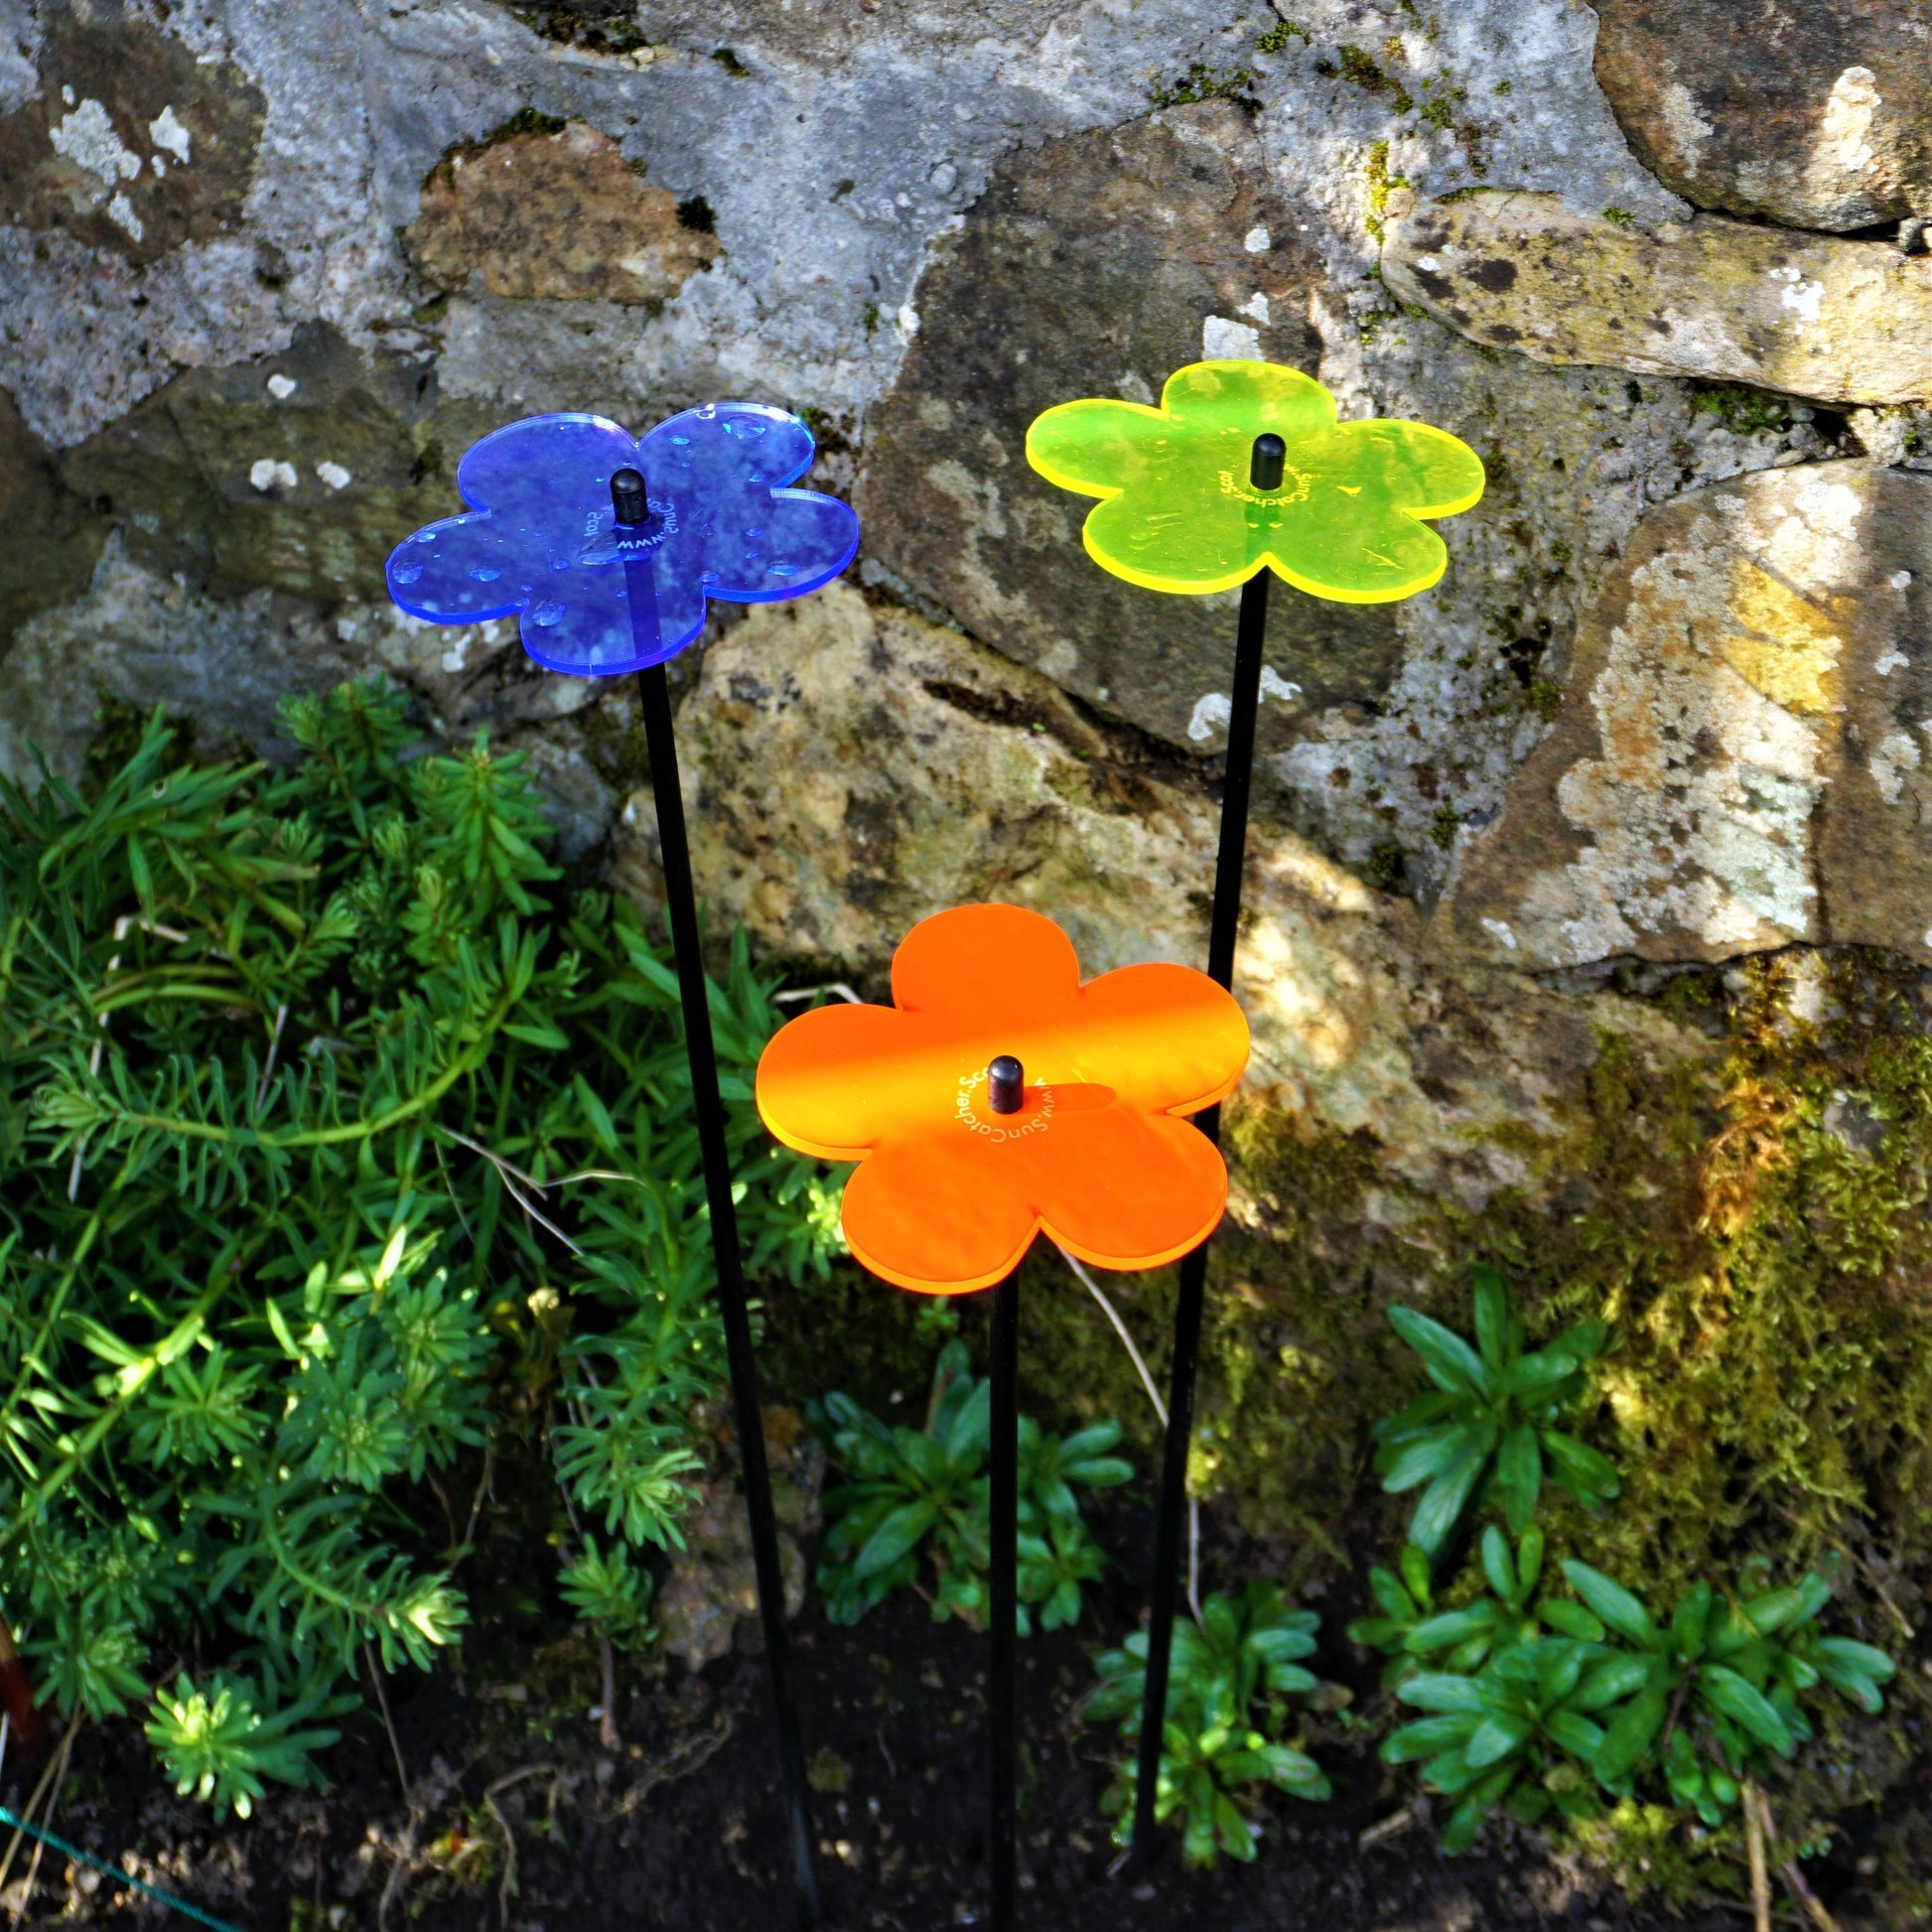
541, 541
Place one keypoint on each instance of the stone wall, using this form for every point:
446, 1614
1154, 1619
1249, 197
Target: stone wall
266, 269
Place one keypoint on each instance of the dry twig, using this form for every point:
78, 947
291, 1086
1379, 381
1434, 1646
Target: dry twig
1754, 1851
382, 1700
677, 1765
1788, 1868
507, 1883
56, 1773
55, 1764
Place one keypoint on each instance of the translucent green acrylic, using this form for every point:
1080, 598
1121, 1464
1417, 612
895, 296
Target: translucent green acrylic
1178, 513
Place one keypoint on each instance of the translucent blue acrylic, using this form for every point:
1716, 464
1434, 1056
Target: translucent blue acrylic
543, 543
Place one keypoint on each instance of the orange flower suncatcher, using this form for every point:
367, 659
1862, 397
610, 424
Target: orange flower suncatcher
950, 1193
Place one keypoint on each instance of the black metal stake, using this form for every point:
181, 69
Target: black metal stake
1265, 472
1005, 1598
1006, 1089
660, 741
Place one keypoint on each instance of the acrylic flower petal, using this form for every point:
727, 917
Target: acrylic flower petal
1240, 400
1190, 535
800, 540
826, 1080
464, 570
1424, 471
942, 1216
949, 1193
542, 539
995, 965
1090, 445
620, 618
545, 475
1166, 1039
1180, 513
1177, 1201
717, 447
1351, 549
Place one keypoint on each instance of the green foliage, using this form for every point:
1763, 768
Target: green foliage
1489, 1429
1505, 1732
1278, 37
1688, 1708
923, 1493
1227, 1692
1722, 1683
1412, 1628
332, 1135
610, 1591
1744, 410
1539, 1703
216, 1746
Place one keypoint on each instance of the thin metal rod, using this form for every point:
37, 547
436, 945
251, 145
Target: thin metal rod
660, 741
1223, 929
1004, 1595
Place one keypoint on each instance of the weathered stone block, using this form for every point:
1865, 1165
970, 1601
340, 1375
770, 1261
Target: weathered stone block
1845, 321
849, 771
50, 537
1099, 265
298, 472
558, 214
1737, 764
132, 143
1813, 112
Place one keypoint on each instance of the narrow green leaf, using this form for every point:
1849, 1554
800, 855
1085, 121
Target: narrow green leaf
1452, 1365
1496, 1736
1631, 1734
1614, 1604
1443, 1501
1519, 1476
1493, 1315
1721, 1687
897, 1534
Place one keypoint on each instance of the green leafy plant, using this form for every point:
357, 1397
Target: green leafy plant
609, 1592
1488, 1428
1228, 1708
1621, 1705
1537, 1701
335, 1138
1721, 1683
1508, 1732
923, 1493
1412, 1628
213, 1745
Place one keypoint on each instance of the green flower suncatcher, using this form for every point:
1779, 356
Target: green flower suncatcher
1179, 513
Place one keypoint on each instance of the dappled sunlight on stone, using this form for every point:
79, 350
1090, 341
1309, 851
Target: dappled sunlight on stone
1736, 766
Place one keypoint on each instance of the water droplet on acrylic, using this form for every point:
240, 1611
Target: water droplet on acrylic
782, 570
425, 536
406, 573
484, 573
682, 442
547, 612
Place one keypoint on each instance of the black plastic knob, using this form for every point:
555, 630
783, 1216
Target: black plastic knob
627, 496
1265, 464
1006, 1085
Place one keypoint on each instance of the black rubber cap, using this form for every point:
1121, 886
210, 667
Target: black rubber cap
1265, 464
1006, 1085
627, 496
